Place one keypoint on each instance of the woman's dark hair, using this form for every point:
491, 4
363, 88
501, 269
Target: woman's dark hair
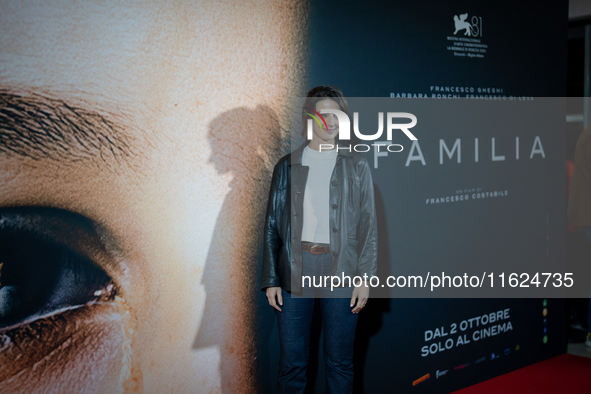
320, 93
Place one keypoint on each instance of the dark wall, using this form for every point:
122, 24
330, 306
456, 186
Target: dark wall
386, 49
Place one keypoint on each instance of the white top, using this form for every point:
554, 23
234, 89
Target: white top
316, 195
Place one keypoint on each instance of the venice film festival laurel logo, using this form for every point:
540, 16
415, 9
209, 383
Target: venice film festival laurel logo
469, 44
473, 29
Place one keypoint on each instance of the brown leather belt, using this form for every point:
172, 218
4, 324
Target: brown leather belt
316, 249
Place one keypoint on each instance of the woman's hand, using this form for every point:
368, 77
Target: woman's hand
274, 296
360, 294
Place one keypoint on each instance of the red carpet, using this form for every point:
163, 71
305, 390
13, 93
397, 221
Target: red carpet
562, 374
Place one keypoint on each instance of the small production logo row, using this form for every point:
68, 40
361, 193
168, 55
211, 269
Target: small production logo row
440, 373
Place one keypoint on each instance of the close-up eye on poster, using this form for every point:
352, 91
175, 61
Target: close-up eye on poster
289, 196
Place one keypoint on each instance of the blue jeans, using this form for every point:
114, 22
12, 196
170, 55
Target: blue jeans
338, 327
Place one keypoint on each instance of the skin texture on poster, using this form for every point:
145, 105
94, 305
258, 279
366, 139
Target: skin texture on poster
137, 144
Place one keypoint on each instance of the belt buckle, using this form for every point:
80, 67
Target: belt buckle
312, 249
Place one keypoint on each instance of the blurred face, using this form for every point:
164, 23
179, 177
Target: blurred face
324, 135
134, 137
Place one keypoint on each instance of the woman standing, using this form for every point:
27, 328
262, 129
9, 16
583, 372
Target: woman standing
321, 220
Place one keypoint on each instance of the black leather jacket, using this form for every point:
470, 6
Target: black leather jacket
353, 237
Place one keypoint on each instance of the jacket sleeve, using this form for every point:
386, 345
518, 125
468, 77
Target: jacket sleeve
368, 228
272, 241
